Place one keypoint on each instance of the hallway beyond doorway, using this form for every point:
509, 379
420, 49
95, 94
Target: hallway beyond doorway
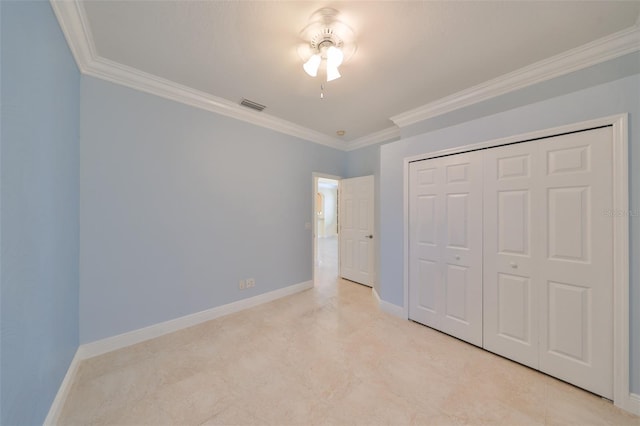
326, 260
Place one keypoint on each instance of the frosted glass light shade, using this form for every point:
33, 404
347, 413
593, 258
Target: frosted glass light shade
312, 65
334, 56
332, 72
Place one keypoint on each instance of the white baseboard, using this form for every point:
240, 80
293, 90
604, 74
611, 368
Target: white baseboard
63, 391
390, 308
376, 295
632, 405
109, 344
629, 402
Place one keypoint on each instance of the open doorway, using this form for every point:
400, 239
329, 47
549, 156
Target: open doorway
325, 228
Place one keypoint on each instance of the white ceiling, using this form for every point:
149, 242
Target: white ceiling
410, 53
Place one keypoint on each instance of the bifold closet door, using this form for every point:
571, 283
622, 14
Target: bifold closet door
445, 238
576, 268
511, 246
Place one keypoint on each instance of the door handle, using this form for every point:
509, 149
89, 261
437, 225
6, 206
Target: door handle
369, 236
514, 265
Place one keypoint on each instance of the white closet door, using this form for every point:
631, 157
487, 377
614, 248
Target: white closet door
446, 245
576, 269
510, 249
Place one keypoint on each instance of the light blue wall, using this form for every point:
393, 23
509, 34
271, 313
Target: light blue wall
364, 161
178, 204
39, 210
619, 96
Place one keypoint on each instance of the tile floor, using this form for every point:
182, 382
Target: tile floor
324, 356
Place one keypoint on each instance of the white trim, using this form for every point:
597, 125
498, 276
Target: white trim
63, 390
385, 135
390, 308
634, 404
405, 246
613, 120
73, 22
376, 295
621, 385
622, 396
595, 52
109, 344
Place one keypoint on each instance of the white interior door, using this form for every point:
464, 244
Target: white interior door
356, 221
576, 268
510, 249
446, 245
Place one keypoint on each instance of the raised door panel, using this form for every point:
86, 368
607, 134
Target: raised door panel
576, 266
510, 299
456, 290
457, 220
568, 223
514, 308
514, 221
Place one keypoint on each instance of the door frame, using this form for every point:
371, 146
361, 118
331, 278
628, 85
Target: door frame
622, 396
314, 237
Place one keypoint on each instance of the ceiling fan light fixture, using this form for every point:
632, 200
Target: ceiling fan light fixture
326, 38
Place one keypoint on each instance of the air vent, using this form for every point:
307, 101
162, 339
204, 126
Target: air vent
252, 105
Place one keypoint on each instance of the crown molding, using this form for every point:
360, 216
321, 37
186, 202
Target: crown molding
73, 21
598, 51
145, 82
385, 135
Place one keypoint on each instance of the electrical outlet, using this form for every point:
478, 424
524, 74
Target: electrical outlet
242, 284
251, 282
